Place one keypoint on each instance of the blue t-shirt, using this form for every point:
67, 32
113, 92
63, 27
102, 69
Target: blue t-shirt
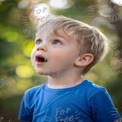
86, 102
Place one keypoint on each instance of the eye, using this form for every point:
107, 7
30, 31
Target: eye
57, 42
38, 41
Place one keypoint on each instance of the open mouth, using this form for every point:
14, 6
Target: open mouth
41, 59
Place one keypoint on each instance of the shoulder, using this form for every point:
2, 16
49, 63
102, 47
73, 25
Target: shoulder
101, 104
34, 91
93, 89
98, 95
92, 86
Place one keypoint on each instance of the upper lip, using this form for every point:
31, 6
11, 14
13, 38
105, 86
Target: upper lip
40, 58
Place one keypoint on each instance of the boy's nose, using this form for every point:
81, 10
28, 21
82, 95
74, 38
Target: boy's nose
42, 48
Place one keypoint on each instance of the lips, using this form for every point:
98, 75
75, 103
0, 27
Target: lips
40, 59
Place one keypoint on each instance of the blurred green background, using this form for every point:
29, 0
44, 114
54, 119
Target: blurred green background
18, 19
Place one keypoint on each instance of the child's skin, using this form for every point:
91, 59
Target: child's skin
63, 60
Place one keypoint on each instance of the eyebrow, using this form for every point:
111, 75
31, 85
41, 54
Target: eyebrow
54, 33
64, 37
37, 39
60, 36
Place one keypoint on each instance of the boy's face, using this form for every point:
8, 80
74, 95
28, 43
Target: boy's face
54, 53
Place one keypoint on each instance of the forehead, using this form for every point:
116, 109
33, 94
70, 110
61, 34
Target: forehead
55, 26
52, 32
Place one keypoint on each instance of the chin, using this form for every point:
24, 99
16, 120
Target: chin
41, 72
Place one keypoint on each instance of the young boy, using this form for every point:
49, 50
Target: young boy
65, 50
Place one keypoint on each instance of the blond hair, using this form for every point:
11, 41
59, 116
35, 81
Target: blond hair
91, 39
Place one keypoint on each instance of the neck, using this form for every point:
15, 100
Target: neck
64, 81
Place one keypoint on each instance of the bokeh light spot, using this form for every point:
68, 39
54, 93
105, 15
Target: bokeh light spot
24, 71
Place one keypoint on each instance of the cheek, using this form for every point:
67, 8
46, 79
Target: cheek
63, 57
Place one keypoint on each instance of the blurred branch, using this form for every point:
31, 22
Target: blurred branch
116, 21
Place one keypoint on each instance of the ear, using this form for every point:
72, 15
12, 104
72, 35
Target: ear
84, 59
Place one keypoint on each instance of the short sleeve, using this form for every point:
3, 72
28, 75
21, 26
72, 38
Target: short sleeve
103, 108
25, 113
